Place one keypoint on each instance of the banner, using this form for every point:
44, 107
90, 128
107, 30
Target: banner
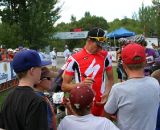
6, 72
113, 54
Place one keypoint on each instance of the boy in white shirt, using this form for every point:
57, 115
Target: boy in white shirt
81, 99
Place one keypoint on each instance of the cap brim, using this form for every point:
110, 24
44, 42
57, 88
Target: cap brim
44, 63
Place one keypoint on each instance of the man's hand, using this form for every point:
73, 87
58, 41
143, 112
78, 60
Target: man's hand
87, 81
103, 100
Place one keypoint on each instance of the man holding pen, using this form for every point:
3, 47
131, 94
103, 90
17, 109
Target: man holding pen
89, 67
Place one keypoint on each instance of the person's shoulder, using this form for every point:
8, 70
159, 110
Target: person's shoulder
152, 79
68, 118
79, 54
117, 86
102, 120
104, 52
120, 87
29, 93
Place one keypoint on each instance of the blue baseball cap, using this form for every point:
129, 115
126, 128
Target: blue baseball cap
26, 59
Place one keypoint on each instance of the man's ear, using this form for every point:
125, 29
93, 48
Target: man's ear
31, 70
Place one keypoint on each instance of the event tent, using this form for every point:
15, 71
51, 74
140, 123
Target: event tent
121, 32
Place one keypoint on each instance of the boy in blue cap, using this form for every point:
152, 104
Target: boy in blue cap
23, 109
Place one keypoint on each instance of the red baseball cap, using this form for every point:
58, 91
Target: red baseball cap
81, 97
133, 54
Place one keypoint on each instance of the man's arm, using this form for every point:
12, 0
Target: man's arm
112, 117
67, 84
110, 82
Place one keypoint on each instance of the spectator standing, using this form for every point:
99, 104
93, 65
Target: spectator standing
53, 56
4, 54
10, 54
120, 71
66, 52
0, 54
135, 102
40, 88
150, 55
23, 109
81, 99
89, 67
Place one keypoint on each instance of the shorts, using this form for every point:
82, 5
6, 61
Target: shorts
54, 62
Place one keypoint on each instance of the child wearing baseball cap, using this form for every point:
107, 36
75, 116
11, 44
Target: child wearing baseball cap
23, 109
81, 99
135, 101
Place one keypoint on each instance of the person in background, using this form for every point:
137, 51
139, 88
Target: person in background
66, 52
81, 100
53, 56
10, 54
22, 108
44, 86
119, 66
0, 54
91, 66
151, 55
4, 54
156, 75
120, 71
134, 102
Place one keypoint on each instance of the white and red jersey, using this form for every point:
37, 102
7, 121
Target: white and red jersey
83, 64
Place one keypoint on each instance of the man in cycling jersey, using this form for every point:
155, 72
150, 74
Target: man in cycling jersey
89, 67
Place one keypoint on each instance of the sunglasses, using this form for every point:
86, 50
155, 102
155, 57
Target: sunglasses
46, 78
99, 39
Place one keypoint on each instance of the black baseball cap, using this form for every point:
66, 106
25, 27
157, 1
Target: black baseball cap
98, 35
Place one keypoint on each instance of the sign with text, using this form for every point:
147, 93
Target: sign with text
6, 72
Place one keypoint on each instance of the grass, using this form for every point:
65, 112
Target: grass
115, 74
4, 94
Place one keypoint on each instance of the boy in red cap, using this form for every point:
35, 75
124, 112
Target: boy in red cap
81, 99
135, 102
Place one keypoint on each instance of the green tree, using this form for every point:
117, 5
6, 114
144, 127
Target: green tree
130, 24
88, 21
34, 17
156, 6
85, 23
10, 35
149, 18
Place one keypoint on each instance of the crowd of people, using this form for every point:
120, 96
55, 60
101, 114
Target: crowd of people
94, 100
7, 54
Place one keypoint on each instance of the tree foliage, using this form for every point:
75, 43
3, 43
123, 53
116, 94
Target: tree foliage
34, 18
149, 18
30, 22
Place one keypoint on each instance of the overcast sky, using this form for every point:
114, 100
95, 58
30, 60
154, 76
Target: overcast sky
109, 9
